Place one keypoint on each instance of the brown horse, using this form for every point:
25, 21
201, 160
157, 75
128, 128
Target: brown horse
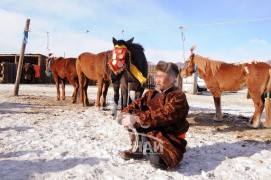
220, 76
29, 73
93, 67
62, 69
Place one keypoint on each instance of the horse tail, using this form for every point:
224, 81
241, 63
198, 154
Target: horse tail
268, 103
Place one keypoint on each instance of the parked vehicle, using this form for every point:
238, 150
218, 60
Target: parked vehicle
188, 84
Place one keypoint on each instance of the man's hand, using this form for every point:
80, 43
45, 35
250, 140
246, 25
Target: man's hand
129, 120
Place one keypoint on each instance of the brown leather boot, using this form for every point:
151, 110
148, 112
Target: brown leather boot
129, 154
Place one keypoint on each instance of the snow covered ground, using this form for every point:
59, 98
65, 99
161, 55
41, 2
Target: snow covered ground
41, 138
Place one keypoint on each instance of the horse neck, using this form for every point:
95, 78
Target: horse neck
48, 61
200, 65
108, 55
207, 66
46, 64
138, 58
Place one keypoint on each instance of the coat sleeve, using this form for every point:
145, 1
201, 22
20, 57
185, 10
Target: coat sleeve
137, 105
174, 109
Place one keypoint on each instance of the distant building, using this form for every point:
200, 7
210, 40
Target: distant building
9, 64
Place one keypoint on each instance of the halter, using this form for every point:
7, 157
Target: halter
49, 72
195, 68
117, 62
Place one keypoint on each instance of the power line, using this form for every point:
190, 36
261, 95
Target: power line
87, 31
228, 22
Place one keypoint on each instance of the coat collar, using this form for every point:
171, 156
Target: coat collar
172, 88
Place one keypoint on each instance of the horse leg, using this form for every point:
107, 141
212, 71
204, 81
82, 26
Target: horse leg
258, 100
81, 82
85, 95
138, 94
124, 92
75, 85
99, 92
218, 110
268, 111
105, 89
57, 88
63, 89
116, 87
268, 102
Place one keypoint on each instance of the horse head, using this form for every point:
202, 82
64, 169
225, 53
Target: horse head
189, 65
123, 43
120, 56
47, 62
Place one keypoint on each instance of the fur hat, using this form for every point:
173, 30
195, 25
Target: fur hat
168, 67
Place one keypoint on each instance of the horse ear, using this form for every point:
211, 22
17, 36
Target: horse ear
130, 41
114, 41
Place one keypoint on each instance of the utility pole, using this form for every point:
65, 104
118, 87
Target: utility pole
20, 65
195, 83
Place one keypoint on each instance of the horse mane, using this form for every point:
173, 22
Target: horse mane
136, 46
138, 57
204, 63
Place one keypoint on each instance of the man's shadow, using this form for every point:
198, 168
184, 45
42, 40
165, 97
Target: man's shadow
209, 157
25, 169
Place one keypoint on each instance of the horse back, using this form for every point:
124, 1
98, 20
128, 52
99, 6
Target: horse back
227, 77
94, 66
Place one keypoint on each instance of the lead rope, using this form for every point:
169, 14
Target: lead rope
133, 149
133, 129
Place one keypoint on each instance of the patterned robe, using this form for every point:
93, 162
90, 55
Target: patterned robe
163, 119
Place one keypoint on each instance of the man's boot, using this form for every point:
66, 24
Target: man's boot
129, 154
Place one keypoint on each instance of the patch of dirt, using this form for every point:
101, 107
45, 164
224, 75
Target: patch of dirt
231, 124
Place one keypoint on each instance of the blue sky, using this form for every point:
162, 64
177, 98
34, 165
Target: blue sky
153, 23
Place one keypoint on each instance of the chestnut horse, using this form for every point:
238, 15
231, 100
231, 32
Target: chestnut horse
62, 69
130, 71
91, 66
220, 76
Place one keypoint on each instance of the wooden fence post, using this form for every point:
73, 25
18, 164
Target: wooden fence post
20, 65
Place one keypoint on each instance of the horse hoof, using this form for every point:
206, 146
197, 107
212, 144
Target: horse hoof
215, 118
252, 125
105, 109
267, 125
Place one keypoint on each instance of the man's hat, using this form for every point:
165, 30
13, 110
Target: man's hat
168, 67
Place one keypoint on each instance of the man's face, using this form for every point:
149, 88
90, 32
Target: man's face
163, 81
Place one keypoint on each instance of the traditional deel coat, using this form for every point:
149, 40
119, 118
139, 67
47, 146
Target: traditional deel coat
163, 120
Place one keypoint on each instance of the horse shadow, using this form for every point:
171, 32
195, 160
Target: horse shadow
203, 117
26, 107
19, 153
18, 129
8, 108
208, 157
26, 169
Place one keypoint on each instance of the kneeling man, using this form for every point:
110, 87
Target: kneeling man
159, 120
